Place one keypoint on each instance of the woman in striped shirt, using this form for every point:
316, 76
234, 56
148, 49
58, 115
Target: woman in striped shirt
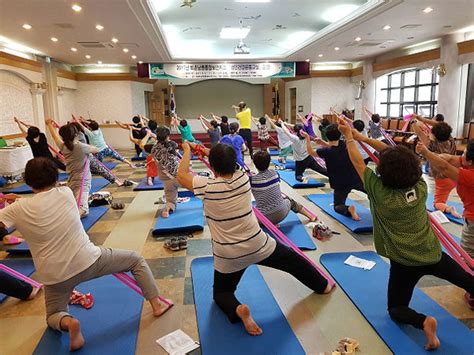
237, 239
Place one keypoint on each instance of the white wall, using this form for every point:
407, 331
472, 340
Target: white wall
66, 104
138, 96
332, 92
303, 96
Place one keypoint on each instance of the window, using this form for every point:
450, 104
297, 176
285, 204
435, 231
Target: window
408, 91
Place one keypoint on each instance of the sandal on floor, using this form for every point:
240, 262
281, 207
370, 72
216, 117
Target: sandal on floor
183, 243
129, 183
117, 205
172, 244
12, 240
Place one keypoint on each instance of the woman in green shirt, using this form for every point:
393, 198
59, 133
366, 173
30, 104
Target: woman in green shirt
402, 230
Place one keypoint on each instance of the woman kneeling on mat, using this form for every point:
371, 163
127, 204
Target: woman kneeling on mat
62, 252
402, 230
237, 239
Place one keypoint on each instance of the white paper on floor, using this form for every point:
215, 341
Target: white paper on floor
439, 216
178, 343
359, 263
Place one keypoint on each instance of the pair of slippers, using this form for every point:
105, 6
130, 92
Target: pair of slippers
177, 243
346, 346
117, 205
12, 240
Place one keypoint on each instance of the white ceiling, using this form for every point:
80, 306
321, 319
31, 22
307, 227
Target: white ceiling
145, 32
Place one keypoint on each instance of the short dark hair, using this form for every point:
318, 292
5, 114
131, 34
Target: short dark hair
234, 127
261, 160
399, 167
33, 132
470, 151
152, 125
223, 159
262, 120
441, 131
93, 125
332, 133
162, 133
214, 123
183, 123
224, 119
325, 122
148, 147
136, 119
41, 173
359, 125
375, 118
439, 117
297, 128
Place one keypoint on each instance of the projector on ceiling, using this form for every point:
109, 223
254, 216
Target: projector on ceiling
241, 48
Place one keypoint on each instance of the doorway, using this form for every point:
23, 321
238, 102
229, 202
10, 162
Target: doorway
293, 105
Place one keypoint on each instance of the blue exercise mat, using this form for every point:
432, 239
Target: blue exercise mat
290, 179
188, 217
218, 335
97, 185
368, 291
295, 230
110, 327
273, 151
109, 164
290, 164
139, 158
24, 266
326, 203
22, 248
143, 186
459, 208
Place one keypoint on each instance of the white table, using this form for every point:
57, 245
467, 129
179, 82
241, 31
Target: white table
13, 160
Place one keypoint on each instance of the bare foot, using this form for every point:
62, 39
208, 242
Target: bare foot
353, 212
165, 213
243, 312
451, 210
160, 305
76, 340
329, 288
33, 293
429, 327
309, 215
150, 181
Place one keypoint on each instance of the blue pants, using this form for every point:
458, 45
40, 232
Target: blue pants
107, 152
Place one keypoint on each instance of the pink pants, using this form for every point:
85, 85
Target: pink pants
443, 188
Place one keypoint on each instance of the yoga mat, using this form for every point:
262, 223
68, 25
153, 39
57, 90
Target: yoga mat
139, 158
273, 151
97, 184
458, 205
295, 230
110, 327
325, 202
188, 217
109, 165
290, 164
290, 179
368, 291
143, 186
95, 213
218, 336
24, 266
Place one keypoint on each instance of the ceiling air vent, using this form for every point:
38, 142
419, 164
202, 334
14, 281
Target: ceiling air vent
64, 26
409, 27
91, 44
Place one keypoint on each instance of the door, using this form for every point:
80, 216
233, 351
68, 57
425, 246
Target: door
155, 107
293, 105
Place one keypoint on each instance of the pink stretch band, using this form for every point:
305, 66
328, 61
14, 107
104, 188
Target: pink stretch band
20, 276
56, 152
132, 283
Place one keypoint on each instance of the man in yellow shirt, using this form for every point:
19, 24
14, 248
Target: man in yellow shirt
244, 115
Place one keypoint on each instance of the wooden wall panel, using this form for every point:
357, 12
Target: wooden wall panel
408, 60
466, 47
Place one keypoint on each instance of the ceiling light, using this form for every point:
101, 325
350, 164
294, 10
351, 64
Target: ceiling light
99, 62
26, 26
88, 56
140, 62
234, 32
54, 39
427, 10
125, 50
76, 8
338, 12
357, 39
74, 49
307, 60
115, 40
99, 27
134, 57
387, 27
336, 48
320, 55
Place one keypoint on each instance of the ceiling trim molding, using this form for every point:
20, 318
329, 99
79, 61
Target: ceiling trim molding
403, 61
466, 47
66, 74
111, 77
18, 62
343, 73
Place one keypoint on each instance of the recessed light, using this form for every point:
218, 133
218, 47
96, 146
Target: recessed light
125, 50
357, 39
427, 10
74, 49
76, 8
234, 32
134, 57
54, 39
99, 62
99, 27
307, 60
115, 40
336, 48
88, 56
320, 55
27, 26
387, 27
140, 62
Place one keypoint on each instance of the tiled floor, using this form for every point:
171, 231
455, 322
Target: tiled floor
313, 319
